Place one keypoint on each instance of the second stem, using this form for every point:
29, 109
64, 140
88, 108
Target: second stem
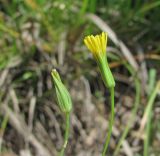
66, 136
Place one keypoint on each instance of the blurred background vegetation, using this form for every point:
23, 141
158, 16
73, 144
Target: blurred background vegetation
38, 35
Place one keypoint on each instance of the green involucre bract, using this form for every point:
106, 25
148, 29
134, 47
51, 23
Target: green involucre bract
63, 96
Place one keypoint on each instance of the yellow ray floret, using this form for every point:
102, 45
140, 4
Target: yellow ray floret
96, 44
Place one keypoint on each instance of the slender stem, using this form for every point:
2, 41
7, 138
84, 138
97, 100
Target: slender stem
148, 114
66, 136
147, 135
131, 120
110, 122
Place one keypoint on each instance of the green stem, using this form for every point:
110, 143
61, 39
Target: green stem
66, 136
130, 122
110, 123
147, 135
148, 115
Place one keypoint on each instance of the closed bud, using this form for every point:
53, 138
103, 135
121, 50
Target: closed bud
63, 96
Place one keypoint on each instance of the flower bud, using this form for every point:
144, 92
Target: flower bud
63, 96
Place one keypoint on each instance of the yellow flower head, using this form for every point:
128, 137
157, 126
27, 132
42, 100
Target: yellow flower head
97, 44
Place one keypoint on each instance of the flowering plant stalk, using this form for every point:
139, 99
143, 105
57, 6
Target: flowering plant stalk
65, 104
97, 46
